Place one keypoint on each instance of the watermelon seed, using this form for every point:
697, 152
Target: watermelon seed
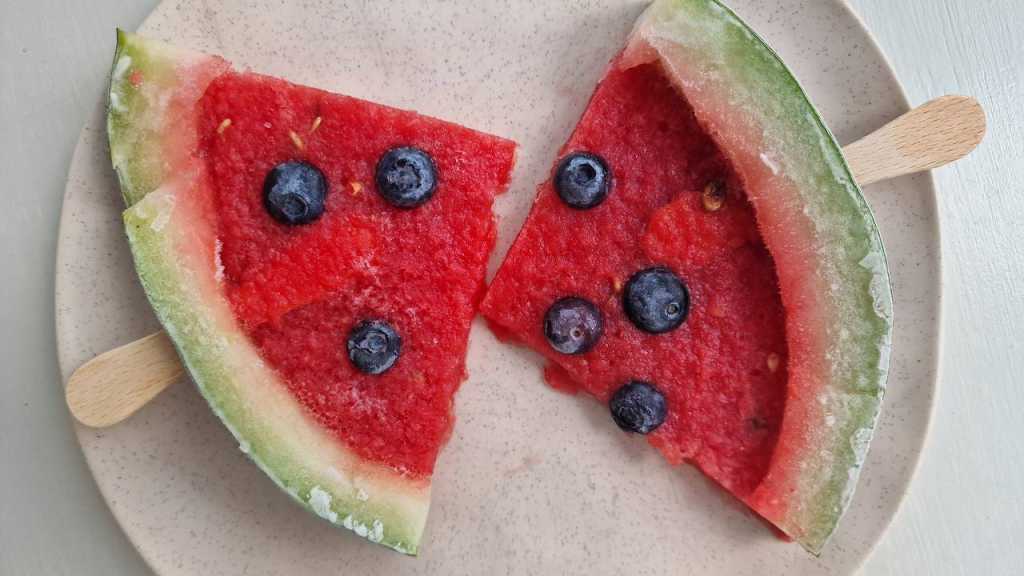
296, 140
713, 196
617, 285
357, 187
773, 362
223, 125
316, 124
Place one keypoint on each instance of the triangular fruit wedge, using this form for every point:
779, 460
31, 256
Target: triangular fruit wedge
317, 260
702, 261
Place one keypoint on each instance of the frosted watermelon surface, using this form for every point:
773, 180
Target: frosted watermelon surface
298, 290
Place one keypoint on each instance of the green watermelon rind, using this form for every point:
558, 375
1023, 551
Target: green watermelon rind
135, 121
734, 65
129, 149
173, 246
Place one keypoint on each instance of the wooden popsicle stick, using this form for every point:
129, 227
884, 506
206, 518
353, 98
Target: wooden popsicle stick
112, 386
932, 135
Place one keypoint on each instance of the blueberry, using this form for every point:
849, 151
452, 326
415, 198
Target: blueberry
406, 176
656, 300
583, 180
573, 325
638, 407
294, 192
374, 346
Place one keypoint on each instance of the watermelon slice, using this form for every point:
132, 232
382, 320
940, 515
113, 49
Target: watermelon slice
735, 298
317, 260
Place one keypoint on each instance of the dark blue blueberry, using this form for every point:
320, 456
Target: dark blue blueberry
294, 193
374, 346
583, 180
406, 176
573, 325
656, 300
638, 407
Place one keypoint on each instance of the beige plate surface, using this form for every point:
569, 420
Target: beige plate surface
533, 481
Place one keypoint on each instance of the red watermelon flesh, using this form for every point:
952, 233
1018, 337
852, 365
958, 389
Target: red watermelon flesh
299, 290
724, 371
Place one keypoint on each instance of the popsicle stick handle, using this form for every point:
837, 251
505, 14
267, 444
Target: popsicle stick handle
113, 385
935, 134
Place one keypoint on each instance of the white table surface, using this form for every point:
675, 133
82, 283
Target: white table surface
965, 510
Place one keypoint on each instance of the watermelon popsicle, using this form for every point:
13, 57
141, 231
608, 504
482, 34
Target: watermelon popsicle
732, 300
316, 260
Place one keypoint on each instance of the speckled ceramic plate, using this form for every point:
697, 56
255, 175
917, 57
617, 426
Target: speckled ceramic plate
533, 481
